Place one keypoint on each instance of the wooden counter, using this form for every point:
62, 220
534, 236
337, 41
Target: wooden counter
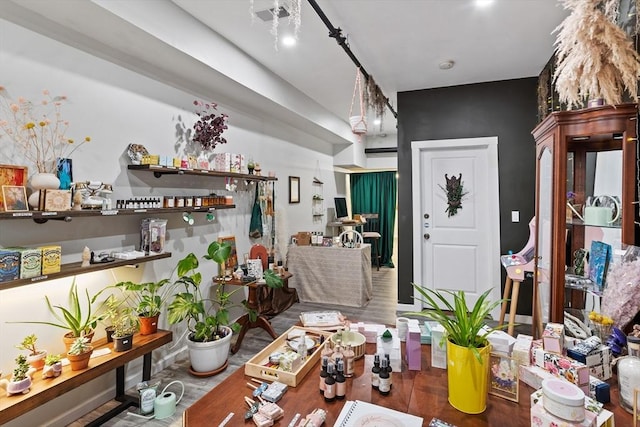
422, 393
44, 390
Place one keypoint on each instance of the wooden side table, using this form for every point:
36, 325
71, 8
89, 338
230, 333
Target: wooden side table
253, 304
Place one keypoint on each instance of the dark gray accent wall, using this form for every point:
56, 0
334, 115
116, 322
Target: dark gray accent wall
506, 109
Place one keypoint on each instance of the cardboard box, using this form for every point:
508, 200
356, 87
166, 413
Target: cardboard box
30, 262
553, 337
304, 238
412, 348
604, 418
51, 258
9, 265
599, 390
522, 349
438, 348
260, 367
598, 361
541, 418
559, 365
222, 162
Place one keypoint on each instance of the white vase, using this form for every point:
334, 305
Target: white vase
42, 181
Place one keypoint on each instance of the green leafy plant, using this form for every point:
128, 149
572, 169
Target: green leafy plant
21, 369
73, 318
52, 359
148, 298
79, 346
29, 344
463, 327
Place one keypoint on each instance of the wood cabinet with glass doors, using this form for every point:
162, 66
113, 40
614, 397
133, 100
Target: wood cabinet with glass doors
569, 147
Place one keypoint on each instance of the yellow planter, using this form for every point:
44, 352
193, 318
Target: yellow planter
468, 378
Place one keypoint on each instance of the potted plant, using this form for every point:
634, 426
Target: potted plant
35, 358
20, 381
78, 322
79, 354
52, 366
207, 319
126, 323
148, 299
467, 346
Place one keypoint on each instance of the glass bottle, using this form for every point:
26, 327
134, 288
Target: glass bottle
302, 346
326, 350
330, 384
390, 370
383, 383
323, 373
349, 357
629, 373
375, 372
341, 384
337, 353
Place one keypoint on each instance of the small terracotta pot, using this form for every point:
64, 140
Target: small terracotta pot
69, 339
149, 325
79, 361
37, 361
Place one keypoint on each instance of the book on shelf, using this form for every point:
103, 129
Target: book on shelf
357, 413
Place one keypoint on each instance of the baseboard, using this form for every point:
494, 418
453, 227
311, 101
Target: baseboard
94, 395
408, 307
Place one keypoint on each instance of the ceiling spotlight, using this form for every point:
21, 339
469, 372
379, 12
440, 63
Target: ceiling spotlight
446, 65
483, 3
288, 41
377, 122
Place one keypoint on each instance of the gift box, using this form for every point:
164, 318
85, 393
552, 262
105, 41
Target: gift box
553, 337
413, 350
521, 349
541, 418
559, 365
9, 265
438, 348
51, 258
533, 375
237, 163
598, 361
599, 390
604, 418
222, 162
30, 262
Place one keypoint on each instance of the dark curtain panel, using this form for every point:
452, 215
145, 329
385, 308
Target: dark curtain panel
375, 192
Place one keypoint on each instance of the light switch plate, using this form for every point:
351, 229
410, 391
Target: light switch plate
515, 216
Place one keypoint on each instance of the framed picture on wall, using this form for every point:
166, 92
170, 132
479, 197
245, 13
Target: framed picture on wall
14, 198
294, 189
12, 175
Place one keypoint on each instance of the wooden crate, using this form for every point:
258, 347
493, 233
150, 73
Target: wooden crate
257, 366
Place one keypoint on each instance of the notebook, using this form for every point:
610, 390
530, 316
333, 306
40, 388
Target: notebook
363, 414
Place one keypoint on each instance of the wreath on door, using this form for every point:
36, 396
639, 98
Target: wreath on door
454, 190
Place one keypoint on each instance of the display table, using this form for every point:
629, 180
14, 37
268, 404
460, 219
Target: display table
422, 393
44, 390
331, 275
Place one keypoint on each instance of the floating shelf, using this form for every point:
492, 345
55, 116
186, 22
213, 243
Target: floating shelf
158, 171
67, 216
74, 268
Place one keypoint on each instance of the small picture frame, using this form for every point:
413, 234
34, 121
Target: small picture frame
232, 262
14, 198
12, 175
294, 189
254, 268
503, 377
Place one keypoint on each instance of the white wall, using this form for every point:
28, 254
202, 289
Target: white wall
116, 107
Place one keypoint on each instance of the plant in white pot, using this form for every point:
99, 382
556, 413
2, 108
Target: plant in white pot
36, 357
52, 366
207, 319
20, 382
467, 346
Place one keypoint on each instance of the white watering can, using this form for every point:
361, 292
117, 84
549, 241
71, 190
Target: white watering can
599, 210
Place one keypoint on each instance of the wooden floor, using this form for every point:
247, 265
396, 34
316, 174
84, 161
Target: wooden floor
380, 309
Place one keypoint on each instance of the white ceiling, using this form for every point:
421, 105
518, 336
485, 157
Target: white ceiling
399, 42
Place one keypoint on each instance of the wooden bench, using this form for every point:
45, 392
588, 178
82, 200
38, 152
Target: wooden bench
44, 390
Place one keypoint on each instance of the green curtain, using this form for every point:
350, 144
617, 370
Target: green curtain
375, 192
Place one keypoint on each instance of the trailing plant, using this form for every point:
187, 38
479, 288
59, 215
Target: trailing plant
29, 344
52, 359
73, 318
21, 369
79, 346
463, 327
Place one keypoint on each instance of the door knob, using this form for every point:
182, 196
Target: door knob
426, 216
426, 236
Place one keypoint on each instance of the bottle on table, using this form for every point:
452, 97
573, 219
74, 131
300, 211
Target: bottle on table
383, 382
326, 349
375, 372
337, 353
390, 369
349, 357
341, 384
323, 372
302, 346
330, 384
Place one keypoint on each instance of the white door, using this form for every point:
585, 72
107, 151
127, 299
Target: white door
457, 249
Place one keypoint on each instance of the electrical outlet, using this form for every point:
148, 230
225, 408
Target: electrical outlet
515, 216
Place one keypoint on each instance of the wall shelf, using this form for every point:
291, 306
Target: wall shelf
73, 268
158, 171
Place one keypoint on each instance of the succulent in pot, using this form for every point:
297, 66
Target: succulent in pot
20, 382
35, 358
79, 353
52, 366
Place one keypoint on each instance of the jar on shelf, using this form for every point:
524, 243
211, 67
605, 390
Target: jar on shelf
629, 373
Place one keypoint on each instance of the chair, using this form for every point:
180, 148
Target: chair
372, 233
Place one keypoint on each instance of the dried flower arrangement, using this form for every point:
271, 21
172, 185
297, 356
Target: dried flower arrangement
37, 129
595, 58
210, 126
375, 99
